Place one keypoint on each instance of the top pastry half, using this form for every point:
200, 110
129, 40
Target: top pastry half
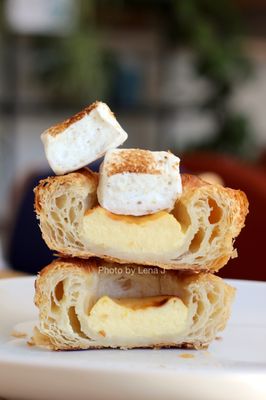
196, 234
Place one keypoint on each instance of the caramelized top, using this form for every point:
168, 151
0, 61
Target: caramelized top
130, 219
133, 161
56, 129
142, 303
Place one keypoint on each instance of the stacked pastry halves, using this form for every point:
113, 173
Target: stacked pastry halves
138, 242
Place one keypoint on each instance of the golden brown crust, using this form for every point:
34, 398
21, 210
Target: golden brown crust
192, 181
213, 266
59, 128
239, 199
75, 263
133, 161
84, 175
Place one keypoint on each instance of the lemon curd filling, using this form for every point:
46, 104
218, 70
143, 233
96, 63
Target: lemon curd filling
157, 317
158, 233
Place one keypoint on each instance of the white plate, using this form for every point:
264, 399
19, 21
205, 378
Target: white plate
232, 368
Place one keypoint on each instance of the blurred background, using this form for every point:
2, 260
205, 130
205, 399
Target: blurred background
184, 75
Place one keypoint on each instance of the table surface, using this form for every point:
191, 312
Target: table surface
8, 273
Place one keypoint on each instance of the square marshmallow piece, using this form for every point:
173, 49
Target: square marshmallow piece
139, 182
83, 138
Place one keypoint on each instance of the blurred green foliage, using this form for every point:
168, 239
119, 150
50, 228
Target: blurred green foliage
72, 68
213, 30
233, 137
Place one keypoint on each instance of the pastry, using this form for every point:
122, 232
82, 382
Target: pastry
198, 234
96, 304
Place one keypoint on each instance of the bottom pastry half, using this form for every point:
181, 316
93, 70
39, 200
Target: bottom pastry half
95, 304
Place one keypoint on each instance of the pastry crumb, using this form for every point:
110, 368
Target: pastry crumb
186, 355
30, 342
19, 335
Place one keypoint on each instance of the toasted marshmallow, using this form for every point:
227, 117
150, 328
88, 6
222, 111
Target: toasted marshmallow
139, 182
83, 138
